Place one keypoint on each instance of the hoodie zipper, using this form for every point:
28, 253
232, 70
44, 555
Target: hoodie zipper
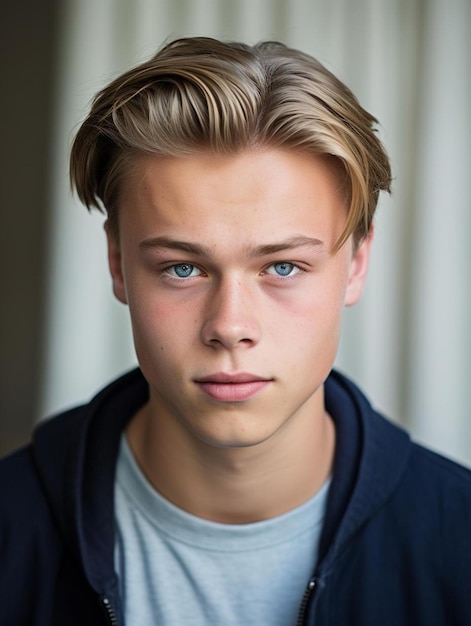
110, 612
305, 601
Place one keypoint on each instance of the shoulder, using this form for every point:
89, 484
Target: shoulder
23, 506
441, 487
18, 479
437, 477
29, 542
430, 513
425, 460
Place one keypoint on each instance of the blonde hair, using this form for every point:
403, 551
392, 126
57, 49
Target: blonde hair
203, 94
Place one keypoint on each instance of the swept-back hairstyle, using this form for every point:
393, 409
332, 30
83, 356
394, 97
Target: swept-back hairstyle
200, 94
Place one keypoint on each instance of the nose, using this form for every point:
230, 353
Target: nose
231, 316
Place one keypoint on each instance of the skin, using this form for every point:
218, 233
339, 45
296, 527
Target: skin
227, 265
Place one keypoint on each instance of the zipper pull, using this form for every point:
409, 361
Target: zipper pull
305, 600
110, 612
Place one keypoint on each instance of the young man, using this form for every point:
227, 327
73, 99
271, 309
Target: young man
233, 479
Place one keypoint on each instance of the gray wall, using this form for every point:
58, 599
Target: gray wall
27, 40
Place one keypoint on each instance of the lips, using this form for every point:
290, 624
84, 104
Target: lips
232, 387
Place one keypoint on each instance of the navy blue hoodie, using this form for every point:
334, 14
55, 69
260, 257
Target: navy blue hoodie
395, 548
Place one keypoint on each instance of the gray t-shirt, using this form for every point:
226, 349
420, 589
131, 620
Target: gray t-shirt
175, 568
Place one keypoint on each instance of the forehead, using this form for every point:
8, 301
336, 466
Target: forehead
246, 194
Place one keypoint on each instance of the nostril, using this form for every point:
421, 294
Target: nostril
229, 336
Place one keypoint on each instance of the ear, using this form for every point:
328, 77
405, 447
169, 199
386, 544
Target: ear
359, 270
115, 265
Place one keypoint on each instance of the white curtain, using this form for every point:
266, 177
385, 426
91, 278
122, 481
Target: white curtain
408, 342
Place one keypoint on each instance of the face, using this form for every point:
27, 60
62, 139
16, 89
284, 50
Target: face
235, 293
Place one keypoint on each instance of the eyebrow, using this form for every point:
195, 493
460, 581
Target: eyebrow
297, 241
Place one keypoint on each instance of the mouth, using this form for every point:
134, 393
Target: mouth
232, 387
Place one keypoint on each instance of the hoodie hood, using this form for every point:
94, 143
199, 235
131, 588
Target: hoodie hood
371, 457
75, 454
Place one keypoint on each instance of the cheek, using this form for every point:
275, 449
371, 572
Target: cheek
312, 323
162, 330
322, 302
150, 322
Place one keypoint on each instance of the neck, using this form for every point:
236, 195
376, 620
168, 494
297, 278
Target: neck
234, 485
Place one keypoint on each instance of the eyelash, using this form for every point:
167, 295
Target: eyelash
168, 275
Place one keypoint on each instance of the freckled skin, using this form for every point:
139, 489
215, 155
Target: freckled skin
236, 310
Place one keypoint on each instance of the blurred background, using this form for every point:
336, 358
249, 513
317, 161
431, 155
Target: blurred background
408, 343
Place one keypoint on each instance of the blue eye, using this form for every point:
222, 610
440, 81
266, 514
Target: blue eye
183, 270
284, 268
